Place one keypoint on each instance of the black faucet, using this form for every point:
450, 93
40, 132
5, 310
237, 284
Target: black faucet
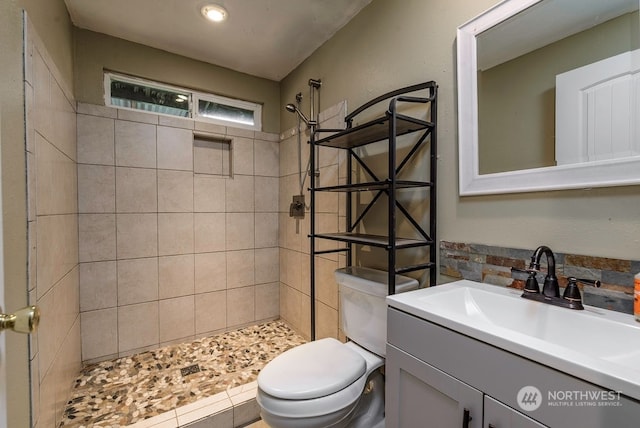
551, 287
551, 290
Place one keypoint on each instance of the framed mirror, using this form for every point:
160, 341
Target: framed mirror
549, 96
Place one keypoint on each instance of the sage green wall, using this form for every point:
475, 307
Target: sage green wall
96, 52
390, 45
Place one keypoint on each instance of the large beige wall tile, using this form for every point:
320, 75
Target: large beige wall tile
266, 230
96, 140
67, 303
137, 281
177, 318
267, 158
137, 326
266, 194
47, 345
135, 144
97, 237
175, 191
175, 148
176, 276
291, 305
242, 156
63, 121
57, 248
266, 265
136, 190
239, 194
267, 301
99, 333
209, 193
240, 268
326, 321
137, 116
56, 180
211, 311
210, 232
175, 234
240, 306
98, 286
210, 272
240, 232
326, 286
96, 189
137, 235
42, 94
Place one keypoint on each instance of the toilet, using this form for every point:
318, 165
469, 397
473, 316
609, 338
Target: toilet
327, 383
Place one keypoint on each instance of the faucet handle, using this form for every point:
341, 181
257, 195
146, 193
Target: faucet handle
572, 292
531, 286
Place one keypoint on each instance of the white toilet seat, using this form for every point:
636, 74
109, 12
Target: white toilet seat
325, 353
312, 370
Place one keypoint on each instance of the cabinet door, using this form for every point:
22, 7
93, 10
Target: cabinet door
497, 415
420, 396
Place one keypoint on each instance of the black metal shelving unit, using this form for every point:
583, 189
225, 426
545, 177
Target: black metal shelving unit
389, 126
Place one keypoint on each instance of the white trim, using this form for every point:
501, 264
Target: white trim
616, 172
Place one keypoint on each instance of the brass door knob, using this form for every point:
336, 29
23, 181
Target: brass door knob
24, 320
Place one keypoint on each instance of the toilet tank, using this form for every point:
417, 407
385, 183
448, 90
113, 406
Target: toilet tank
363, 308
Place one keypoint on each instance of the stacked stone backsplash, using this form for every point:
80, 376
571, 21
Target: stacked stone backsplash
492, 265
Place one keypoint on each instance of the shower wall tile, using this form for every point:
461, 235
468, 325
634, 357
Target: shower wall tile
326, 321
210, 272
175, 191
99, 333
210, 232
98, 286
267, 265
144, 317
240, 268
96, 189
266, 194
209, 193
240, 232
137, 281
239, 194
240, 306
176, 276
269, 297
175, 234
266, 230
56, 249
137, 235
97, 238
136, 190
135, 144
242, 156
211, 311
96, 139
175, 148
63, 122
56, 180
163, 231
267, 161
177, 318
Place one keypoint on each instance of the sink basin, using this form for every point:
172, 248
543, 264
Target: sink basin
594, 344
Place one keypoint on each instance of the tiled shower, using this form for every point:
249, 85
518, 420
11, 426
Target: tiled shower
178, 229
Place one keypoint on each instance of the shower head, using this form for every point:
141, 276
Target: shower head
294, 109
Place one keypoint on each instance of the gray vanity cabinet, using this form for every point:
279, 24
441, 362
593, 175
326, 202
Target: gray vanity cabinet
497, 415
419, 395
437, 377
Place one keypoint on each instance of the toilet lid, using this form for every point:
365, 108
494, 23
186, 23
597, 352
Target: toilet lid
312, 370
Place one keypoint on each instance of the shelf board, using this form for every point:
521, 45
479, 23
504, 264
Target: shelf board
373, 240
373, 131
374, 185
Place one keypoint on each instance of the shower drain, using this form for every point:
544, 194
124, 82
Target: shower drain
189, 370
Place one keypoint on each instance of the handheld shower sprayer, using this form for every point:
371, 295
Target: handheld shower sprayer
294, 109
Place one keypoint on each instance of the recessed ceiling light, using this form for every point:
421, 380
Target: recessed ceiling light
214, 12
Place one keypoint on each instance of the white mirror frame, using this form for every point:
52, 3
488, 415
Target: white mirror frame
614, 172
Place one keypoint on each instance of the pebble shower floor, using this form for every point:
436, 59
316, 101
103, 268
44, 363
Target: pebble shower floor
121, 392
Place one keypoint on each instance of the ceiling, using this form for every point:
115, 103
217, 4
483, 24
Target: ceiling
265, 38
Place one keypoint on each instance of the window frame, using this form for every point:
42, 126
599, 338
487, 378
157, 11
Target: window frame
193, 101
